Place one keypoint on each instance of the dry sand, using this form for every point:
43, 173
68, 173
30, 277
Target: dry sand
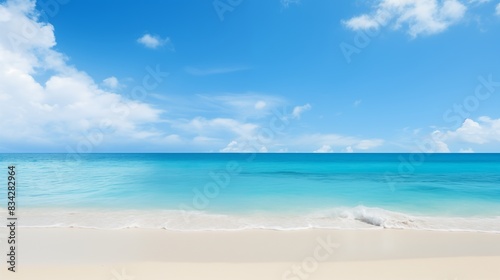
255, 254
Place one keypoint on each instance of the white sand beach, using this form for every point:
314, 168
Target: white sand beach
56, 253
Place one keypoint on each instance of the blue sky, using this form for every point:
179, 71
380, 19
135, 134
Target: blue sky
231, 76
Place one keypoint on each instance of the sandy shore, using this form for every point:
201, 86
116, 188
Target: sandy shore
258, 254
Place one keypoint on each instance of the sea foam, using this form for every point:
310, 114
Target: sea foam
361, 217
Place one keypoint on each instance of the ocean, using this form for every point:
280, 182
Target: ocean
215, 191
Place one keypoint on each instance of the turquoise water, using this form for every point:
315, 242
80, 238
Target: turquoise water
282, 191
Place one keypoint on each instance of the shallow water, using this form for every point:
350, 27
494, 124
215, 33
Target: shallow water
278, 191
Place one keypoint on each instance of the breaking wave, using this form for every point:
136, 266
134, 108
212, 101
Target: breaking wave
359, 217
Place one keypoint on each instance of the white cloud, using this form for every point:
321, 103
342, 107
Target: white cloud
195, 71
259, 136
232, 147
357, 102
334, 140
324, 149
364, 22
483, 131
349, 149
287, 3
172, 139
468, 150
368, 144
437, 143
299, 110
154, 42
69, 106
259, 105
430, 143
478, 1
217, 127
241, 106
498, 9
419, 17
243, 147
262, 135
111, 83
205, 141
482, 134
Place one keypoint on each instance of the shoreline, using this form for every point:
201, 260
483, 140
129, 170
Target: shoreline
341, 218
56, 253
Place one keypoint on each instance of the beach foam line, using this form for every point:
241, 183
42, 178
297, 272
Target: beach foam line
360, 217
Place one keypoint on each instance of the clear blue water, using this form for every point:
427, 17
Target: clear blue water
303, 190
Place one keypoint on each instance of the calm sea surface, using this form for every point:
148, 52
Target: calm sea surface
276, 191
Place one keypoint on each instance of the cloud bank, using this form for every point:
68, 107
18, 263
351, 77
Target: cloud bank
66, 107
416, 17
